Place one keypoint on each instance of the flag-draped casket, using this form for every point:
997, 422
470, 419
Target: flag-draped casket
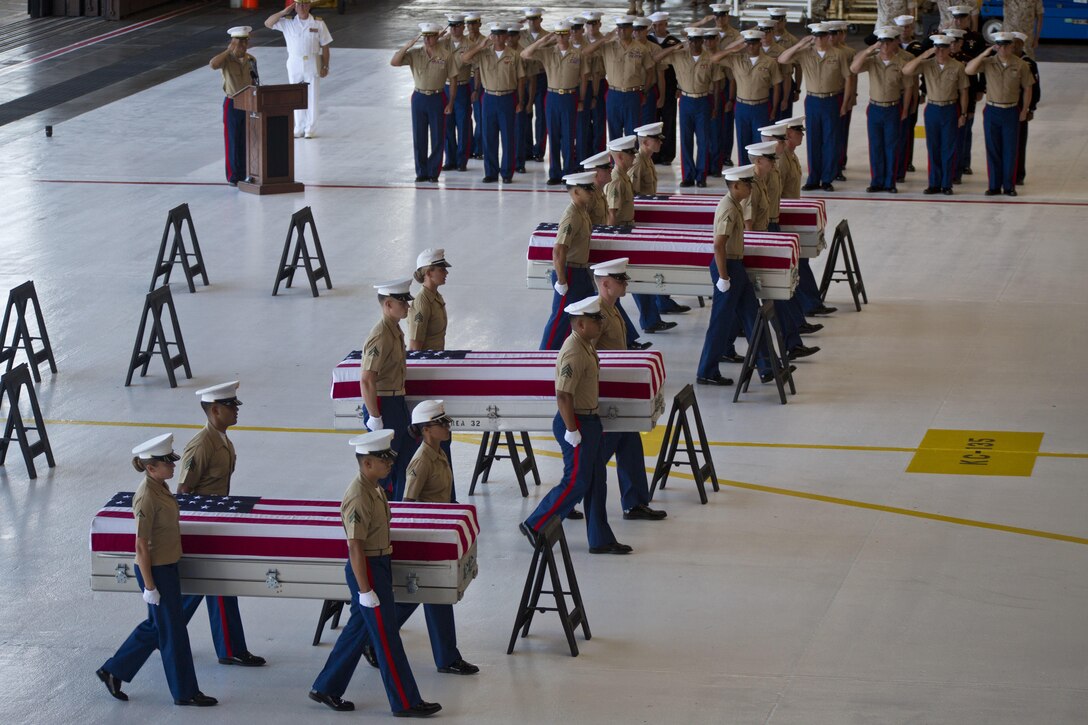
674, 261
805, 217
511, 390
257, 546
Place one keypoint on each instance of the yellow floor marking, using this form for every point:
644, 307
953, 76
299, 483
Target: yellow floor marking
919, 132
470, 438
977, 453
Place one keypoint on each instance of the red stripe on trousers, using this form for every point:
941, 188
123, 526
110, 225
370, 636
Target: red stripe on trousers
570, 485
226, 627
385, 646
226, 138
555, 322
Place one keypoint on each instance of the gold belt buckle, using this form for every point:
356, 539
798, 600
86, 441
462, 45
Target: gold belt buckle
305, 57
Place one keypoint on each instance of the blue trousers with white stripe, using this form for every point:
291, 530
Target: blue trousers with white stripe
380, 625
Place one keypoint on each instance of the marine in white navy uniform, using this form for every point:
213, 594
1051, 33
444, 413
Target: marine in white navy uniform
308, 40
364, 513
158, 549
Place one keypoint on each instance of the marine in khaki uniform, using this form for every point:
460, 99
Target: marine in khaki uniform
427, 312
946, 109
597, 125
652, 97
501, 75
778, 35
158, 549
577, 429
382, 371
459, 126
612, 278
535, 128
206, 467
757, 86
889, 103
829, 86
628, 67
618, 192
239, 70
364, 512
571, 278
695, 83
434, 67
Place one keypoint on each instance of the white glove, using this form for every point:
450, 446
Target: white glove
573, 437
560, 288
151, 596
369, 599
722, 284
374, 423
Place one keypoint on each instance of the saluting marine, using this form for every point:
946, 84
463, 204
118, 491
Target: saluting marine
889, 101
459, 126
628, 64
158, 549
946, 108
695, 79
502, 79
207, 464
757, 84
364, 513
434, 67
239, 70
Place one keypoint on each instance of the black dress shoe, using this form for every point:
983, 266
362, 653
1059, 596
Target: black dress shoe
639, 345
768, 377
434, 179
687, 183
113, 684
827, 186
554, 182
947, 191
910, 167
422, 709
245, 659
420, 179
660, 326
719, 380
198, 700
873, 189
508, 179
332, 701
892, 190
932, 190
1010, 192
232, 183
449, 167
810, 187
731, 357
840, 177
462, 168
676, 310
370, 655
524, 528
701, 184
799, 351
957, 181
900, 179
460, 667
992, 192
727, 162
490, 179
575, 515
808, 328
967, 171
715, 174
642, 512
822, 310
614, 548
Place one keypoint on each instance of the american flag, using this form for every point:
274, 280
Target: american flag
259, 527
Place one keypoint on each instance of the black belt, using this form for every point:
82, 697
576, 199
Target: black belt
389, 393
590, 412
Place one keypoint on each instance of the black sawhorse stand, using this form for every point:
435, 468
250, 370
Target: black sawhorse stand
19, 298
670, 446
330, 609
178, 253
843, 243
154, 305
12, 385
544, 564
767, 331
488, 454
300, 254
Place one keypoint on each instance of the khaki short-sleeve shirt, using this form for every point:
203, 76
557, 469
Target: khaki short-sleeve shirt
759, 204
236, 73
774, 193
625, 66
1004, 82
575, 229
457, 49
385, 355
944, 84
364, 512
886, 79
789, 166
158, 521
754, 81
598, 208
577, 371
620, 197
823, 75
564, 71
643, 175
694, 77
729, 222
431, 72
427, 320
613, 330
499, 75
207, 463
429, 476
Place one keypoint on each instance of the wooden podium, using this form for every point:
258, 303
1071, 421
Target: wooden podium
270, 138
